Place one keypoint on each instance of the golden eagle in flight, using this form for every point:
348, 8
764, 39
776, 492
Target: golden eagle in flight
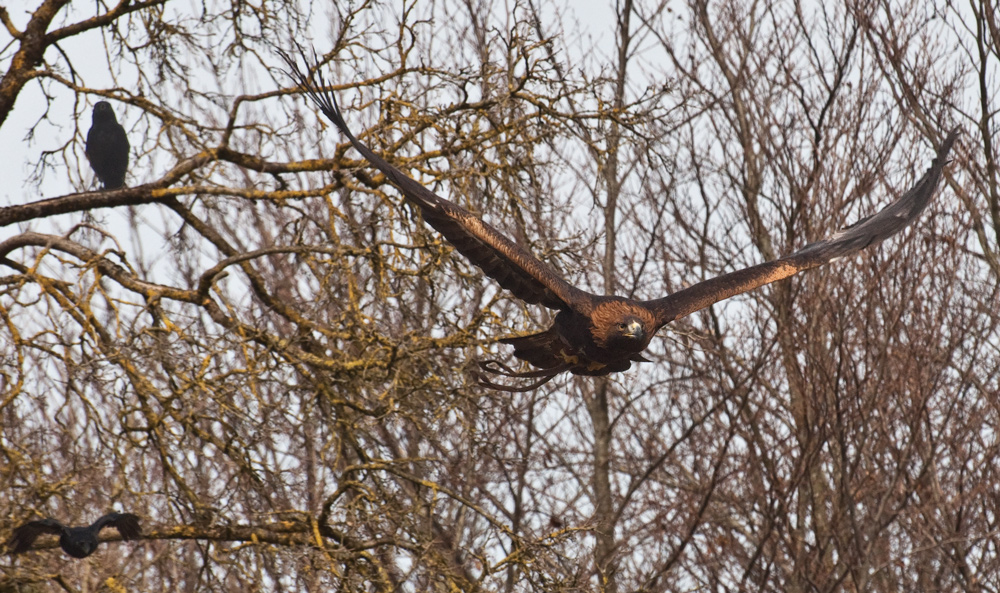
596, 334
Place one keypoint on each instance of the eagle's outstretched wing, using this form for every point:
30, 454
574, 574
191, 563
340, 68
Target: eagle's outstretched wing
868, 231
500, 258
24, 535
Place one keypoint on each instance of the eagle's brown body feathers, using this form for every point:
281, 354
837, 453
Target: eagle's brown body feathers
595, 334
589, 344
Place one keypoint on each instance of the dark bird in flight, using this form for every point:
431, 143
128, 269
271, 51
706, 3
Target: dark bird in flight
107, 147
78, 542
595, 334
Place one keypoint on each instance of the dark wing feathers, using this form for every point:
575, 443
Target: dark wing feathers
508, 267
893, 218
24, 535
513, 267
127, 524
540, 349
869, 231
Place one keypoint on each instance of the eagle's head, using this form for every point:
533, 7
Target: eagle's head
630, 334
621, 326
631, 329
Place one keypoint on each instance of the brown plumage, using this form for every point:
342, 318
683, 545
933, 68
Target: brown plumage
594, 334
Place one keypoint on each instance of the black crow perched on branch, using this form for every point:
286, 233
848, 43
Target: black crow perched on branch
107, 147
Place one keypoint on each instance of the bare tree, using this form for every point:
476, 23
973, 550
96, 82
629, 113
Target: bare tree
260, 350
